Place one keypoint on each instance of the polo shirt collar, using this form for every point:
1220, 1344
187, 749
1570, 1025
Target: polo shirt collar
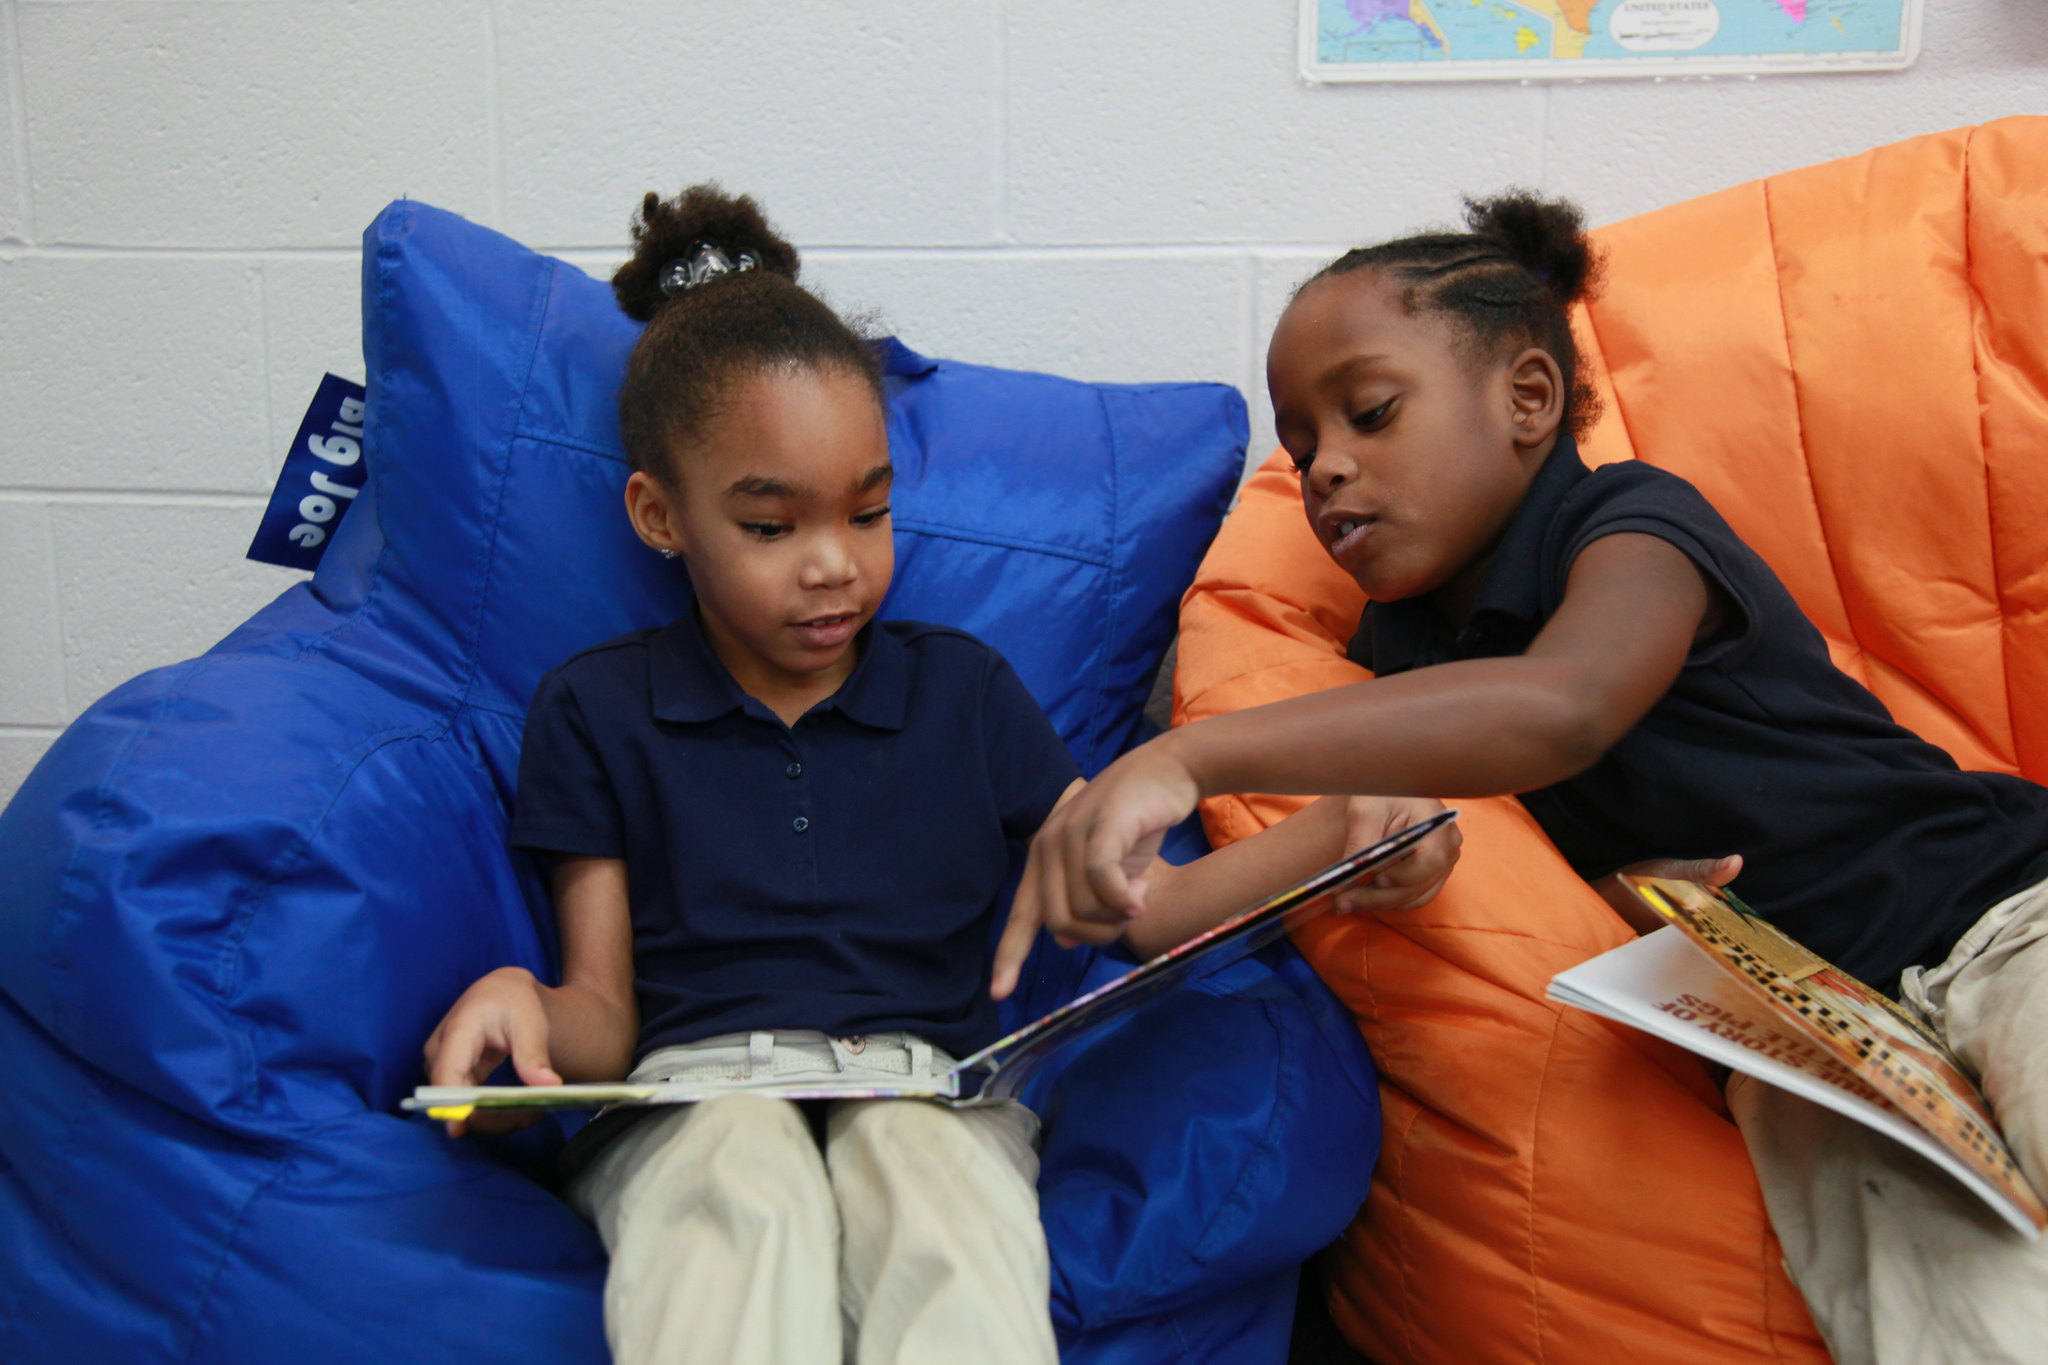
1410, 633
690, 683
1513, 583
877, 692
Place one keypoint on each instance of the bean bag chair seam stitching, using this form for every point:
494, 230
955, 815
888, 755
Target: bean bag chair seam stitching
74, 873
1411, 1325
535, 436
1193, 700
251, 895
1287, 1103
72, 1122
1978, 312
1285, 1108
256, 892
1113, 586
1408, 1312
978, 537
1407, 931
922, 526
1536, 1273
1805, 461
501, 454
279, 1164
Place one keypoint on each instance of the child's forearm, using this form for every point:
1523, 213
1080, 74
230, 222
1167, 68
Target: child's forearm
1481, 727
590, 1036
1182, 902
1634, 606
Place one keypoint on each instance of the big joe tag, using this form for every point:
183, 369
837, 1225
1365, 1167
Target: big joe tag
323, 472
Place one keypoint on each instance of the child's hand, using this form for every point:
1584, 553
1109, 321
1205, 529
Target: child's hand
1640, 917
1085, 879
501, 1016
1413, 879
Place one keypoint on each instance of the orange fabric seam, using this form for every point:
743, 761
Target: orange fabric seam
1820, 519
1535, 1132
1979, 320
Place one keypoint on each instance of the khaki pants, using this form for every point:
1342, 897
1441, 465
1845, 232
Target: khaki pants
912, 1237
1900, 1264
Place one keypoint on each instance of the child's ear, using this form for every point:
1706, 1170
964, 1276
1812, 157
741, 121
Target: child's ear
649, 506
1535, 396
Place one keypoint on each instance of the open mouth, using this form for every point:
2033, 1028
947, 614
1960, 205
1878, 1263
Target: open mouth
823, 632
1348, 533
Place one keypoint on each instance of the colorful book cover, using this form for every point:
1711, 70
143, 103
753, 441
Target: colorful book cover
1724, 983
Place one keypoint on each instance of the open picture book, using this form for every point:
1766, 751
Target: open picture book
1004, 1067
1726, 985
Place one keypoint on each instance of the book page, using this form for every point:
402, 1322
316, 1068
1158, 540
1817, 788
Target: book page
1887, 1048
1664, 985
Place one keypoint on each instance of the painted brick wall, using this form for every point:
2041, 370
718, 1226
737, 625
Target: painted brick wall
1120, 190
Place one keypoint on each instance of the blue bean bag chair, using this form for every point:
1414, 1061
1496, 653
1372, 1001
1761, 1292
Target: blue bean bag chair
241, 890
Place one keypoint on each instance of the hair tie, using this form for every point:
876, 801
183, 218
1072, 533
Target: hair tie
705, 263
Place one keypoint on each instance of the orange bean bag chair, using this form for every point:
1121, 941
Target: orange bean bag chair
1851, 361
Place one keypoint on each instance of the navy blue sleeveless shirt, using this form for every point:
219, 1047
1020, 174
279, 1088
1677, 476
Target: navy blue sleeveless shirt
840, 874
1859, 839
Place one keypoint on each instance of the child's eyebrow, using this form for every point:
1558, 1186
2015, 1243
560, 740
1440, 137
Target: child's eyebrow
757, 486
875, 478
1351, 365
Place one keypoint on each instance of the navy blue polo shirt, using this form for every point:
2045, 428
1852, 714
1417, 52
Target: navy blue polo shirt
840, 874
1859, 839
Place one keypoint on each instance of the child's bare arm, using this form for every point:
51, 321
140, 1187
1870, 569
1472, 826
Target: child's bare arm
1633, 606
1182, 902
1185, 901
582, 1030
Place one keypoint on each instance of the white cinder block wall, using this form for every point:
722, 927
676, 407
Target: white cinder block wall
1114, 189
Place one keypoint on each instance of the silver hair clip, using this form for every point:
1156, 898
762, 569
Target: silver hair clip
704, 264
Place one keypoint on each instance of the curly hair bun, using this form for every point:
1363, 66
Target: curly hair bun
667, 230
1547, 237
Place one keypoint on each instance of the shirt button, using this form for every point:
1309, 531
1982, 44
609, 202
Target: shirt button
793, 770
800, 824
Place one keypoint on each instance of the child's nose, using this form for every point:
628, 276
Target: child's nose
830, 564
1331, 471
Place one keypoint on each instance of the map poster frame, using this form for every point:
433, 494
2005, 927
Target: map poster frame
1657, 38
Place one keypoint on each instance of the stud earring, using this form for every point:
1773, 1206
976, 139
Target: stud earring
668, 554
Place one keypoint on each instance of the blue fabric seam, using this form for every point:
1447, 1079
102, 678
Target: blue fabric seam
974, 537
72, 1122
567, 442
279, 1164
920, 525
256, 892
1063, 1293
1098, 720
1286, 1104
502, 453
74, 871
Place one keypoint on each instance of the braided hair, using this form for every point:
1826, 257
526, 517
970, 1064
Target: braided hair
1507, 282
705, 336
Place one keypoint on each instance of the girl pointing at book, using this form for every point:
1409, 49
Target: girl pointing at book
778, 830
1601, 644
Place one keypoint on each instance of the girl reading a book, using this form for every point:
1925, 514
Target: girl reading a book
1603, 645
778, 830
